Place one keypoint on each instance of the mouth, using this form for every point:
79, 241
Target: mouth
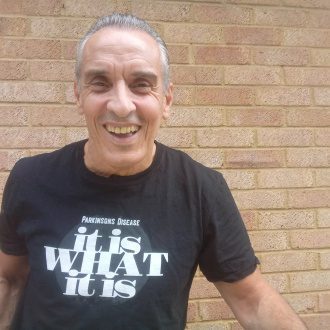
122, 131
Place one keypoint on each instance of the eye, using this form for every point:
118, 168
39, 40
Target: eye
99, 85
142, 87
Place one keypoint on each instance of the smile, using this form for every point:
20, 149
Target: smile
122, 130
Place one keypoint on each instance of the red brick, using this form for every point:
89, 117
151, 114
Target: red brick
92, 8
285, 178
240, 179
278, 281
307, 3
317, 321
320, 57
281, 56
302, 303
193, 33
306, 37
280, 17
260, 199
10, 7
269, 241
34, 152
323, 217
202, 288
322, 95
157, 11
214, 310
236, 326
225, 137
285, 137
184, 95
308, 157
286, 219
252, 35
3, 160
224, 96
209, 157
209, 326
58, 28
325, 260
307, 76
256, 2
255, 117
310, 281
179, 54
177, 138
310, 239
322, 137
3, 180
25, 137
75, 134
55, 116
308, 117
42, 7
192, 312
13, 26
69, 93
30, 92
52, 70
324, 299
252, 75
254, 158
68, 48
209, 13
309, 198
221, 55
288, 261
283, 96
12, 115
14, 156
196, 116
191, 75
30, 48
13, 70
319, 19
250, 219
322, 177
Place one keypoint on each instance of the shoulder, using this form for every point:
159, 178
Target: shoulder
180, 165
29, 167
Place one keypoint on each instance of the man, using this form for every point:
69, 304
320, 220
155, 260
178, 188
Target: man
112, 229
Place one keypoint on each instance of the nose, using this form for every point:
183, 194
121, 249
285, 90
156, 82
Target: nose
120, 102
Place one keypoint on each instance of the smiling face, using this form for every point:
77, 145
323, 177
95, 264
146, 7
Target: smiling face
121, 95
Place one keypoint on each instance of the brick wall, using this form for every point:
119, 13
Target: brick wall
252, 100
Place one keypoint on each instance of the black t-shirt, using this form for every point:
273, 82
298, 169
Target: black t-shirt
118, 252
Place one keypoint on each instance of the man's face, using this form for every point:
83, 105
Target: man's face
121, 94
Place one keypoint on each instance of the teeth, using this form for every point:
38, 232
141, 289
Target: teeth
122, 130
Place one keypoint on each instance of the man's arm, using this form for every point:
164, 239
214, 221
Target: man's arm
13, 273
257, 305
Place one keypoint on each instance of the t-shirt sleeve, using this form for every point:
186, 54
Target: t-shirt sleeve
227, 254
10, 241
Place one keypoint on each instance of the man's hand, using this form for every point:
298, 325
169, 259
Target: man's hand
257, 305
13, 273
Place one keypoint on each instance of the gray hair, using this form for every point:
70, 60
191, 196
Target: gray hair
128, 22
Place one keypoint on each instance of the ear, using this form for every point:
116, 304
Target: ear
77, 95
168, 100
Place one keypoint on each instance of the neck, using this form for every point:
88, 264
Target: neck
100, 164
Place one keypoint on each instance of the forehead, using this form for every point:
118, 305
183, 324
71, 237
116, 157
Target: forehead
114, 44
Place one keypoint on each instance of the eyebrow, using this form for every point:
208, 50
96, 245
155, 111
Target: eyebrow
146, 74
95, 72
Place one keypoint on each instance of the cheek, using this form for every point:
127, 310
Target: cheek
150, 110
93, 105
